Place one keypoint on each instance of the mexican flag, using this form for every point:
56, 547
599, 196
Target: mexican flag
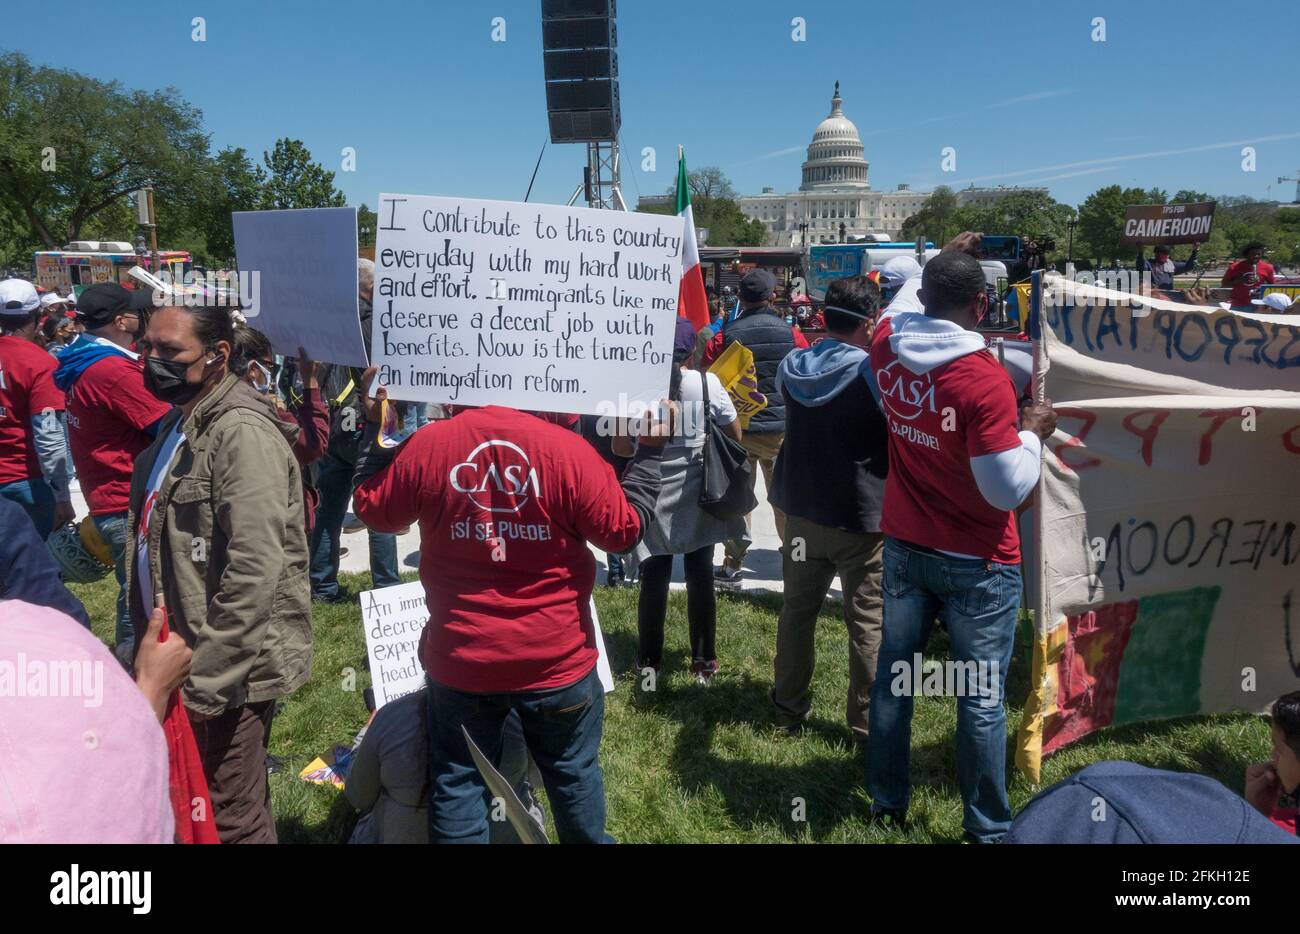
692, 303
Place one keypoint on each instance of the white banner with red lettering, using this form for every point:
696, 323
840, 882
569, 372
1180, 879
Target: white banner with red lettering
1167, 514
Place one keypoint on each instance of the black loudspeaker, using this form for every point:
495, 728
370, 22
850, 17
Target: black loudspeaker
580, 67
570, 9
581, 64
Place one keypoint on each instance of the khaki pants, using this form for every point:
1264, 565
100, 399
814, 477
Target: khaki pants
763, 449
858, 559
232, 746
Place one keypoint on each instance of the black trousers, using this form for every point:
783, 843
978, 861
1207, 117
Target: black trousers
701, 606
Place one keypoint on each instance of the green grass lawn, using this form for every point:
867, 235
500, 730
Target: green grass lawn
705, 764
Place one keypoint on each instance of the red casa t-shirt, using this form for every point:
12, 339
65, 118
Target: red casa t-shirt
506, 503
1242, 292
26, 389
108, 412
938, 421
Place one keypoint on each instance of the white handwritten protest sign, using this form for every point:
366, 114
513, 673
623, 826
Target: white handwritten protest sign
534, 306
306, 264
1167, 520
394, 618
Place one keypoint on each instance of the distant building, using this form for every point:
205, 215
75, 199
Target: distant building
836, 193
983, 197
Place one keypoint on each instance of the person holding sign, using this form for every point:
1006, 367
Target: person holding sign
507, 503
1163, 269
770, 338
1248, 274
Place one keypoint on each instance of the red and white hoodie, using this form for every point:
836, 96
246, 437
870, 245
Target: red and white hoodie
958, 466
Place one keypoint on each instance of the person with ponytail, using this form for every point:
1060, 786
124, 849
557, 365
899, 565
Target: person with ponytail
216, 533
253, 361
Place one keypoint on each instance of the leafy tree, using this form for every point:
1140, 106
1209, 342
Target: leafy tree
234, 183
713, 202
295, 181
1101, 222
72, 147
367, 220
936, 220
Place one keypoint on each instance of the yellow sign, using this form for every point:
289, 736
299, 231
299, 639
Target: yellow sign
735, 370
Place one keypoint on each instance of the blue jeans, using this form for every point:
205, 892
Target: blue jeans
112, 529
979, 601
415, 413
334, 483
562, 729
37, 500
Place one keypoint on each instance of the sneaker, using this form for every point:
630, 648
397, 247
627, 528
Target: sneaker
704, 670
613, 579
727, 574
353, 524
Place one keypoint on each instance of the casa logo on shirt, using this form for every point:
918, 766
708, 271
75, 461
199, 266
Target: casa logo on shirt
905, 394
497, 477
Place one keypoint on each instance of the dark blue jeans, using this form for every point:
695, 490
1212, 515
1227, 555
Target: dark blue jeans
978, 600
112, 529
37, 500
562, 729
334, 483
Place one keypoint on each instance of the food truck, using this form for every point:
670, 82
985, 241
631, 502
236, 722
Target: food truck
86, 262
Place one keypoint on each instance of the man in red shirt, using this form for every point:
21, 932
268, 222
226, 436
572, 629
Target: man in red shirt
33, 446
507, 503
1248, 274
111, 418
958, 468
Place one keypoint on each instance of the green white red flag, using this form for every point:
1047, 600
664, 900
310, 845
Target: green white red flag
692, 303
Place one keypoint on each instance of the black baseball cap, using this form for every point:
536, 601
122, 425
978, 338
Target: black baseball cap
756, 285
101, 303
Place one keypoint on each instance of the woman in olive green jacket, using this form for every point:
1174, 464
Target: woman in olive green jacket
216, 531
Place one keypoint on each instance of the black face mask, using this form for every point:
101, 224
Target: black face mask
166, 380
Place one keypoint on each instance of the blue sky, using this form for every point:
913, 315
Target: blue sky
1017, 88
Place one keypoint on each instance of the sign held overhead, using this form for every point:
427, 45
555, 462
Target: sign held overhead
533, 306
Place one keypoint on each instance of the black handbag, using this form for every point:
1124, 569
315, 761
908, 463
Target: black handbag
727, 491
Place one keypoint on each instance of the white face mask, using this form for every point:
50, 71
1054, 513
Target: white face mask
261, 377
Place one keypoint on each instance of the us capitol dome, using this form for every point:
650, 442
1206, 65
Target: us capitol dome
835, 199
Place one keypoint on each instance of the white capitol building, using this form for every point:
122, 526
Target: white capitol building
836, 193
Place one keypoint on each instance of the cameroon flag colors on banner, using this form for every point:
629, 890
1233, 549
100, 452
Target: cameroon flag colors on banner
1166, 531
1122, 663
692, 303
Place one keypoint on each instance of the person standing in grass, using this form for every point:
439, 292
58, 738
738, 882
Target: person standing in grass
216, 529
507, 503
830, 483
960, 463
112, 417
678, 525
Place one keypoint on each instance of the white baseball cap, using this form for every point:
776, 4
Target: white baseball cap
1278, 301
898, 269
18, 297
53, 298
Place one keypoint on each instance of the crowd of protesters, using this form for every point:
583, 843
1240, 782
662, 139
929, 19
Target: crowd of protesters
896, 451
